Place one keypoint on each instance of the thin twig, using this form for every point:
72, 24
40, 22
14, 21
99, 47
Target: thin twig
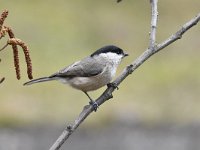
4, 47
1, 80
179, 33
127, 71
154, 18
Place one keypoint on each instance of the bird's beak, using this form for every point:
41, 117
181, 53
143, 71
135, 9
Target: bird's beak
125, 54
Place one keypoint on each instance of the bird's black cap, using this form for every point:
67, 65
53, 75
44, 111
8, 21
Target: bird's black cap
109, 48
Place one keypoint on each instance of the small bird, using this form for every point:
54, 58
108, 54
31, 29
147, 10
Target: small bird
90, 73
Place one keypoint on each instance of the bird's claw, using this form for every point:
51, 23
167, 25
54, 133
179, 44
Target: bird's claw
113, 84
94, 105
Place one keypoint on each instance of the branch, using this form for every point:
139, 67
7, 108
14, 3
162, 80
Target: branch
154, 18
179, 33
127, 71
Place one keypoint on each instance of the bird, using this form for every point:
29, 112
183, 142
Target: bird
91, 72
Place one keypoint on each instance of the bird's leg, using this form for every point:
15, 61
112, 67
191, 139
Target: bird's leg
93, 103
113, 84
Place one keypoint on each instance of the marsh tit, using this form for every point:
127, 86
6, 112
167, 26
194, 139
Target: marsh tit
90, 73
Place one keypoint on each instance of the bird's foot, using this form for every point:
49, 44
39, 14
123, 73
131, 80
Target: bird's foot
114, 85
94, 105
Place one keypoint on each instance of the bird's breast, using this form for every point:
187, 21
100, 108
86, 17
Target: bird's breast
94, 82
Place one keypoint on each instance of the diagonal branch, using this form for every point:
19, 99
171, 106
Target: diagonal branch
179, 33
127, 71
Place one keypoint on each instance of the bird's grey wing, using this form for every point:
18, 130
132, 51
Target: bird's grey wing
86, 68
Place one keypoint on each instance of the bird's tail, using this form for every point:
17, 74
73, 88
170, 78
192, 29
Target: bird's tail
43, 79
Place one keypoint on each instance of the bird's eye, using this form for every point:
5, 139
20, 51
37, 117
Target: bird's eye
119, 52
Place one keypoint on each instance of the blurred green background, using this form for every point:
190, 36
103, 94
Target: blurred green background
165, 89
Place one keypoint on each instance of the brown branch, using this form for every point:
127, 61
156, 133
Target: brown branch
107, 94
